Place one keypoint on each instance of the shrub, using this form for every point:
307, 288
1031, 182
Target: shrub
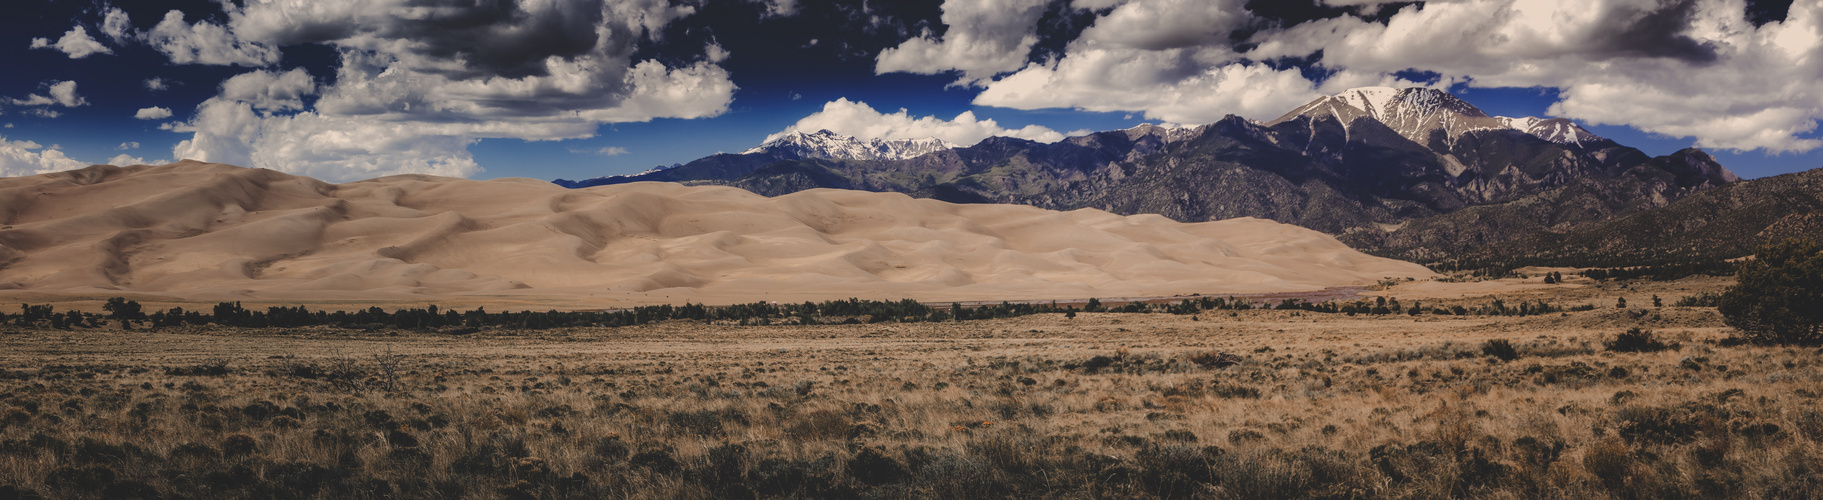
1214, 359
1637, 340
1778, 296
239, 444
1501, 349
872, 467
658, 459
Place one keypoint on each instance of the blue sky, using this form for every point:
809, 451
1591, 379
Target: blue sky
347, 89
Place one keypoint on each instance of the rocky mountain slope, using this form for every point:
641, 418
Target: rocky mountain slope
1415, 173
1722, 223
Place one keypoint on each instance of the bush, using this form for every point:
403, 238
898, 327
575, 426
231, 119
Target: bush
1637, 340
1778, 296
1500, 348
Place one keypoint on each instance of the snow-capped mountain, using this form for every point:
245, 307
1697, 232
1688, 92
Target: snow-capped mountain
1558, 130
1417, 113
830, 145
1169, 134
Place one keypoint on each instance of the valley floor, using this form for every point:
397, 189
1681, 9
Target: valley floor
1302, 405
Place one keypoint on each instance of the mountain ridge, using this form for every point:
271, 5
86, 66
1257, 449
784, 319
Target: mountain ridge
1381, 168
828, 145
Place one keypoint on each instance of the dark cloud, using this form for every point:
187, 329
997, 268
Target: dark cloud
1766, 11
1656, 33
1288, 13
492, 37
1310, 66
851, 32
1060, 24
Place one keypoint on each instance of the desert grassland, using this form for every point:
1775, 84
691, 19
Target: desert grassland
1102, 405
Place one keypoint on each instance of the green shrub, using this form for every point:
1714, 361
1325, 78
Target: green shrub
1778, 296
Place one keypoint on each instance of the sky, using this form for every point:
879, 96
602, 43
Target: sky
344, 90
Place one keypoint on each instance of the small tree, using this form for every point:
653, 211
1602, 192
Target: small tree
1778, 296
1620, 302
123, 310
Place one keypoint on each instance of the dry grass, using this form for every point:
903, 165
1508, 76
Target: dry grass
1104, 405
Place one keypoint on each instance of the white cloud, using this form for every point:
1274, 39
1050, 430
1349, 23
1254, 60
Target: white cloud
270, 91
605, 151
413, 92
984, 38
156, 84
65, 94
206, 43
34, 100
62, 93
75, 43
1166, 58
1167, 24
1112, 81
19, 158
1694, 68
117, 25
126, 146
123, 159
152, 113
857, 119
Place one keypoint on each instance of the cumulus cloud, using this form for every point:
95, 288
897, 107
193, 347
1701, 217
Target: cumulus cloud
75, 43
62, 93
270, 91
65, 94
413, 91
117, 25
19, 158
123, 159
1684, 68
854, 118
152, 113
156, 84
206, 43
126, 146
984, 38
1169, 59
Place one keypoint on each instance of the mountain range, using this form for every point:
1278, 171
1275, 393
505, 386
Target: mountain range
1414, 173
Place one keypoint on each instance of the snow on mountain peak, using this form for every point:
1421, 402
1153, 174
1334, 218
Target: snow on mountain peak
1373, 100
1418, 112
830, 145
1558, 130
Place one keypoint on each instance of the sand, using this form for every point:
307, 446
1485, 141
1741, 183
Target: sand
202, 231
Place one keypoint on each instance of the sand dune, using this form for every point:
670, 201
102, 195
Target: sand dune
217, 232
